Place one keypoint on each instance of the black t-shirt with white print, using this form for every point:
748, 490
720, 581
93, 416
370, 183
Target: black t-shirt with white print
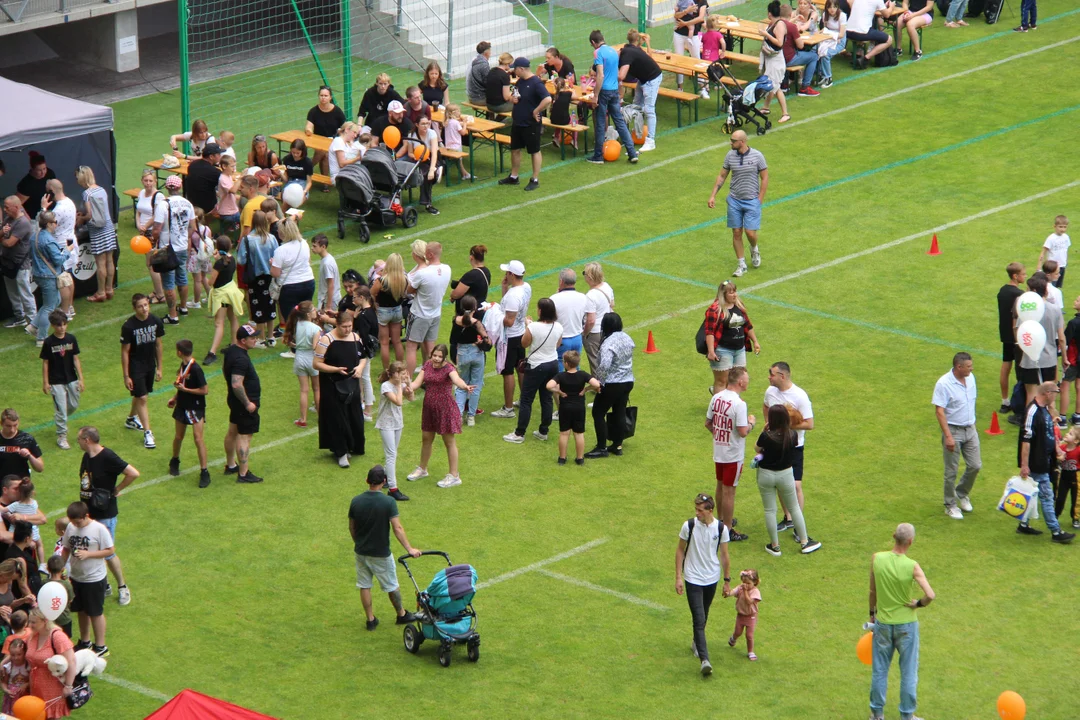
142, 336
60, 352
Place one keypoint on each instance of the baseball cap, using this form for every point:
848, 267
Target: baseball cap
245, 331
264, 177
173, 182
395, 106
211, 149
514, 267
521, 62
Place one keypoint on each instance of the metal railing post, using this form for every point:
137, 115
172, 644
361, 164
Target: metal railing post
400, 18
551, 23
450, 41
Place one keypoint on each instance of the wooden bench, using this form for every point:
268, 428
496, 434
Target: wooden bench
478, 110
452, 155
321, 180
682, 98
134, 195
582, 129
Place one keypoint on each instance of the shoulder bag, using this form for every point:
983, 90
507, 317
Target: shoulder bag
163, 259
60, 281
348, 388
523, 364
767, 48
81, 692
247, 270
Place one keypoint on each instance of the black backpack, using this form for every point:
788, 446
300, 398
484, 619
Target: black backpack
690, 534
993, 11
886, 58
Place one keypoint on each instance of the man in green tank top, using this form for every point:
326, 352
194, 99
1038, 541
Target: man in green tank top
893, 577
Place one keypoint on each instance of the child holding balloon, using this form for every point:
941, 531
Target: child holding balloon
747, 596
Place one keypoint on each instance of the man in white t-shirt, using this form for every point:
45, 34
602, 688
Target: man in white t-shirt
515, 304
784, 392
1056, 248
570, 309
174, 223
861, 25
697, 571
429, 285
600, 300
64, 208
329, 290
86, 545
729, 424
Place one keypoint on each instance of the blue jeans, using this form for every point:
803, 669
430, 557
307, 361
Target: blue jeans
825, 63
178, 277
607, 103
645, 98
110, 523
50, 299
470, 367
1046, 500
809, 58
956, 10
903, 639
1028, 13
569, 343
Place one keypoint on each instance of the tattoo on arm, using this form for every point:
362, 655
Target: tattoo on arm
238, 389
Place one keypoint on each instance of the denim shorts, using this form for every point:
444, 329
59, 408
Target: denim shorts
745, 214
110, 523
389, 315
178, 277
727, 359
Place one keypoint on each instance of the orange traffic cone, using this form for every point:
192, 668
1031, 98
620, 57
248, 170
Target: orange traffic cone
650, 346
934, 249
994, 428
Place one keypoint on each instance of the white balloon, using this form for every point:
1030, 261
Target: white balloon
52, 599
293, 195
1032, 339
1030, 307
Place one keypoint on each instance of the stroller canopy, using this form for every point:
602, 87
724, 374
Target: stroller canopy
355, 181
388, 173
450, 592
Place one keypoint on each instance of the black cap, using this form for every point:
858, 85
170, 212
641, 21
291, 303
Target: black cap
211, 149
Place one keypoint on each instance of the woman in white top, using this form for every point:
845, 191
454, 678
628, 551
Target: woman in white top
834, 24
345, 150
144, 221
599, 301
65, 211
542, 338
199, 137
292, 266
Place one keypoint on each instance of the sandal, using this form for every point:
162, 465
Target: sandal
95, 298
109, 294
156, 299
751, 656
784, 118
765, 111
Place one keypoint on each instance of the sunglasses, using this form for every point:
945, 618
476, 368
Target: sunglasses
702, 498
260, 138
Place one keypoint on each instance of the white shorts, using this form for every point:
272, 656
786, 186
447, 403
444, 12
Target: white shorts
383, 569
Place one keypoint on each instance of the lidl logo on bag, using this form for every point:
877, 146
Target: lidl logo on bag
1015, 504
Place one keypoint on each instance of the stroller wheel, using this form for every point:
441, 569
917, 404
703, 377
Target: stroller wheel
408, 217
341, 228
445, 655
473, 649
768, 124
413, 639
761, 131
365, 233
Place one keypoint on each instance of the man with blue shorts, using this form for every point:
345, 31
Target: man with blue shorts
98, 473
174, 224
749, 181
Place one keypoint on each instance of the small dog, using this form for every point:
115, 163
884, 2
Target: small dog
86, 661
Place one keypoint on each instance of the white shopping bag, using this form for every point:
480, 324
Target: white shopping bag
1020, 499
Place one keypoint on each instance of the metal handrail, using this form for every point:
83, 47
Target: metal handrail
403, 11
526, 9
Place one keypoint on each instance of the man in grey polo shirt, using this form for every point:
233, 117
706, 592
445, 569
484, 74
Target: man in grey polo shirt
954, 403
749, 181
429, 284
15, 239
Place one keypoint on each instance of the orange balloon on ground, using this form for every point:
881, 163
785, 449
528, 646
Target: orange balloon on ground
865, 649
29, 707
141, 244
1011, 706
612, 149
391, 136
420, 153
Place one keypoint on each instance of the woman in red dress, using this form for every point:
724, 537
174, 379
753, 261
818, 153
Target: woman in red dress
45, 641
440, 415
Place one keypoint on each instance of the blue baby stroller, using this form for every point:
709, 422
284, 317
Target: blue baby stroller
444, 611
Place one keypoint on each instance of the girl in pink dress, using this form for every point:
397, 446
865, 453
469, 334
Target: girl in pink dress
440, 415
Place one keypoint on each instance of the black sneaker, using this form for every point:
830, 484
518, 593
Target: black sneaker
1075, 419
734, 523
612, 450
102, 651
1021, 28
1004, 409
398, 495
249, 478
810, 546
562, 461
204, 478
632, 159
1062, 537
773, 550
1015, 420
170, 320
372, 624
581, 461
1027, 530
595, 160
405, 619
235, 469
533, 184
1062, 422
738, 536
510, 180
597, 453
278, 332
784, 524
182, 310
916, 56
432, 209
81, 645
174, 467
210, 358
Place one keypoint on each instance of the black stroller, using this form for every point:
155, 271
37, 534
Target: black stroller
742, 99
444, 611
370, 191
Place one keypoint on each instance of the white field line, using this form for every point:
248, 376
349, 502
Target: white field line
211, 464
608, 591
863, 253
135, 687
653, 166
537, 565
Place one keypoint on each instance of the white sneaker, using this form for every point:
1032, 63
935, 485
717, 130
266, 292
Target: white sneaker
368, 418
62, 442
647, 146
192, 305
539, 435
71, 313
706, 668
470, 420
417, 474
954, 513
738, 272
704, 93
343, 461
965, 504
513, 438
555, 415
449, 481
261, 344
288, 354
148, 440
125, 596
503, 413
755, 257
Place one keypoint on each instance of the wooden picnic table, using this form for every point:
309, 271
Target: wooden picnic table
481, 132
181, 169
752, 29
313, 141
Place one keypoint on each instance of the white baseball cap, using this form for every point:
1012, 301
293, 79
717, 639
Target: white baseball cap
514, 267
395, 106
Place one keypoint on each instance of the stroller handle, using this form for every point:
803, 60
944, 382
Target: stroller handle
405, 558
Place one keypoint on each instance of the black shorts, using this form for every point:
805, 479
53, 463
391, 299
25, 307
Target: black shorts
1008, 352
528, 137
1034, 376
1070, 374
514, 353
872, 35
89, 597
189, 417
246, 423
796, 463
571, 419
142, 384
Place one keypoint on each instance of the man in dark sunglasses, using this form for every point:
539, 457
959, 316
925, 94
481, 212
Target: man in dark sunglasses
749, 181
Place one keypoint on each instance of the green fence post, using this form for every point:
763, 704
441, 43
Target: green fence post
185, 92
311, 45
642, 14
346, 54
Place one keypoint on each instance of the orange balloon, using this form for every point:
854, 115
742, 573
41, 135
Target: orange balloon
1011, 706
865, 649
141, 244
29, 707
391, 136
420, 152
612, 149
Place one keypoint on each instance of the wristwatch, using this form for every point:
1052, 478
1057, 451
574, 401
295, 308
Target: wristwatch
727, 580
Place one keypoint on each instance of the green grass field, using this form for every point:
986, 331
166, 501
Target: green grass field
247, 593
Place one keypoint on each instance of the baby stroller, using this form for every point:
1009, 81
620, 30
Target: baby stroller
391, 177
742, 99
444, 611
357, 200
